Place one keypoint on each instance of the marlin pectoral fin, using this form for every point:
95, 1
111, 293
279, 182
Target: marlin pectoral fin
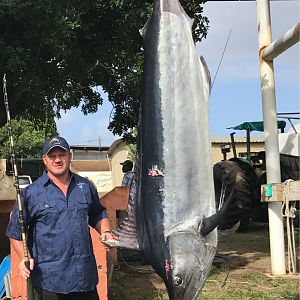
210, 223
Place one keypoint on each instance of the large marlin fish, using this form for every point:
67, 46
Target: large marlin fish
172, 207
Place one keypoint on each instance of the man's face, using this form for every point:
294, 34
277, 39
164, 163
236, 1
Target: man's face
57, 161
126, 168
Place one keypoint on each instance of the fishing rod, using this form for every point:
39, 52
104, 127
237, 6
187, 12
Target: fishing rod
17, 186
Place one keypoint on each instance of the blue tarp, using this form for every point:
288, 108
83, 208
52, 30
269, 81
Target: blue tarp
4, 269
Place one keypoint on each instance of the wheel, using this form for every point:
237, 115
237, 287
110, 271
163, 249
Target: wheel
239, 175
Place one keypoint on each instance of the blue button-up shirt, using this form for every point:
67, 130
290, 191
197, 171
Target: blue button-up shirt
127, 178
58, 234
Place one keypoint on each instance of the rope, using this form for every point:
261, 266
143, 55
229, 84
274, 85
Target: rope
226, 44
109, 164
222, 196
113, 175
38, 52
133, 267
289, 212
226, 260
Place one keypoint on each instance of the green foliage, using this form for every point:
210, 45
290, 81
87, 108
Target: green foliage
131, 151
55, 54
28, 140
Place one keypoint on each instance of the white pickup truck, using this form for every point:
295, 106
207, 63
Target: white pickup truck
24, 181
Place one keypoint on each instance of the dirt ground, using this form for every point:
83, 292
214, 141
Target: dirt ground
240, 254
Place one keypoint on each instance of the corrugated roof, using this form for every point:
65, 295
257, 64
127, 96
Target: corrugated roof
237, 139
89, 165
90, 148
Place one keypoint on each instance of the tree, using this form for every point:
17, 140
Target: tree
28, 140
131, 148
55, 53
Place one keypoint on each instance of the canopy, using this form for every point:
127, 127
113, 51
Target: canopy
256, 126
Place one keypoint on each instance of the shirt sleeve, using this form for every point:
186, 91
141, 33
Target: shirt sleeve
97, 211
127, 179
124, 180
14, 228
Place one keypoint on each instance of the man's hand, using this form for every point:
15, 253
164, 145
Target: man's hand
25, 272
107, 235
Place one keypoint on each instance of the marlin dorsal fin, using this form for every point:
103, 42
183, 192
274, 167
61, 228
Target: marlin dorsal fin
126, 233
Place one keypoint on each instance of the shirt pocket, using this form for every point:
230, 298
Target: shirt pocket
48, 212
83, 202
83, 244
82, 206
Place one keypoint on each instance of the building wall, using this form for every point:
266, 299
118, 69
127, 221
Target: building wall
117, 153
7, 189
241, 147
80, 154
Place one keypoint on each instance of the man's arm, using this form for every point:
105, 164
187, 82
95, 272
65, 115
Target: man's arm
18, 246
98, 217
103, 228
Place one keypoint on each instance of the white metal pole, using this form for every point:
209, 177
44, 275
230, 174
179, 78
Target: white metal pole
290, 38
271, 137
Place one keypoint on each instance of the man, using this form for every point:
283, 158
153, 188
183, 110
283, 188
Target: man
127, 166
58, 207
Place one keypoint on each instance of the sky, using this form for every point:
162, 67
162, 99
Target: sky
236, 94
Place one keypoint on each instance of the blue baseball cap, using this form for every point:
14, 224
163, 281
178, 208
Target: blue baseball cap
53, 142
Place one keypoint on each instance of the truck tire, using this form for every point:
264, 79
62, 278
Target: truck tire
239, 175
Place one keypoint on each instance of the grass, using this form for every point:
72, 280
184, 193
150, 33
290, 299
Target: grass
250, 286
245, 280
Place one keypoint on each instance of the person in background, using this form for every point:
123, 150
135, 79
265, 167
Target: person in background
127, 167
58, 209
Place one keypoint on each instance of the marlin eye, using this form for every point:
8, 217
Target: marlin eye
177, 280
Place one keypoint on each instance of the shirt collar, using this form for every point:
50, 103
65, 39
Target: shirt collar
46, 180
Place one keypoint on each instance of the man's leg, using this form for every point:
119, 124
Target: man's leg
92, 295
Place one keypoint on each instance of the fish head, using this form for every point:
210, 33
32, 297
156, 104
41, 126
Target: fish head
190, 259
